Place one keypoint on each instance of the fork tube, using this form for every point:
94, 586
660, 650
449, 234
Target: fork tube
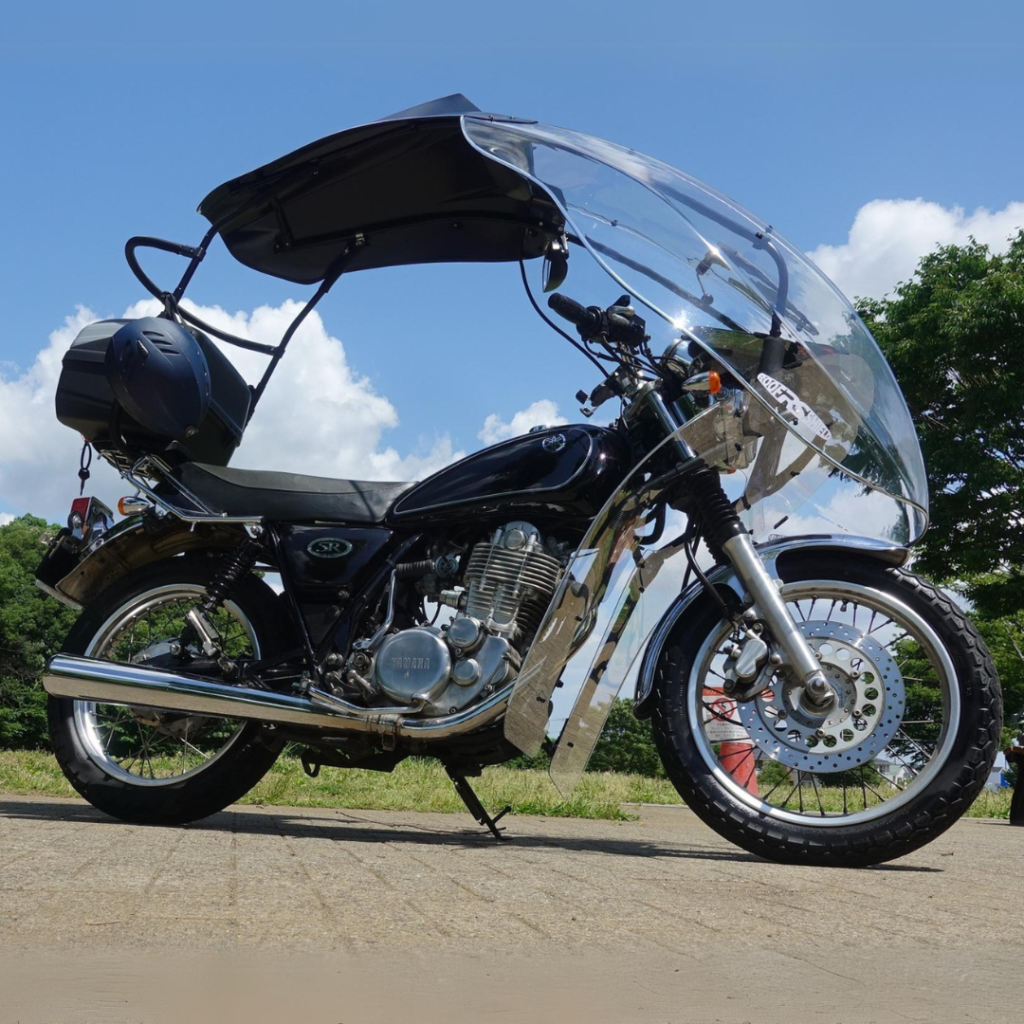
772, 608
727, 538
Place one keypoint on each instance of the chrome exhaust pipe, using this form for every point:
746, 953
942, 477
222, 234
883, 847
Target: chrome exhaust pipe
111, 682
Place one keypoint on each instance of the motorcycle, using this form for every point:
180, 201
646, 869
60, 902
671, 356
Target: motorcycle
811, 699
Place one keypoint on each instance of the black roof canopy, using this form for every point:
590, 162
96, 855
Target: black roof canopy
409, 188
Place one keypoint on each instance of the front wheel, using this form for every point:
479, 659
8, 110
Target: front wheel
899, 755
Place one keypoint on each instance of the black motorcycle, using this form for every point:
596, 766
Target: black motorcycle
811, 699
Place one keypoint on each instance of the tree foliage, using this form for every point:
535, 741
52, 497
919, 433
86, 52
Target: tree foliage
626, 745
954, 336
31, 627
1004, 637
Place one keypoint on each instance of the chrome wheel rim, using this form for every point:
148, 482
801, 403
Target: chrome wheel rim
143, 746
893, 770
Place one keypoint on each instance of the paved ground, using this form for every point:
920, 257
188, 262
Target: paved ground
352, 917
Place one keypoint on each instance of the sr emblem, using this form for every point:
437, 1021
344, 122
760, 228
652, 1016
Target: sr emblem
328, 547
554, 443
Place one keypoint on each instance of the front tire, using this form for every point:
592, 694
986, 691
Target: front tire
923, 744
156, 768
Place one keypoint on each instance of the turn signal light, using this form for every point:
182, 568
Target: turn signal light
714, 382
132, 505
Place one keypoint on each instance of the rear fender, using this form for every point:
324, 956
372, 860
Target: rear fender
74, 576
724, 578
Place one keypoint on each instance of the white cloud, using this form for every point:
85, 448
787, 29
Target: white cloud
539, 414
317, 416
5, 518
39, 456
889, 236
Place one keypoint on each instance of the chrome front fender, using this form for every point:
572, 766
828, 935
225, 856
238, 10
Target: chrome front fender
725, 577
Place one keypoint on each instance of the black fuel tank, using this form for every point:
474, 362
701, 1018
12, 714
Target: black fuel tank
565, 471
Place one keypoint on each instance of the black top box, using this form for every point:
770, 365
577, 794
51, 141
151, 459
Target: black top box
86, 403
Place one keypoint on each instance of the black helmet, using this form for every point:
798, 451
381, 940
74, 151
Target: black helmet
160, 377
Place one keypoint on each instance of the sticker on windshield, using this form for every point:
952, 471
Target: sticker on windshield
796, 411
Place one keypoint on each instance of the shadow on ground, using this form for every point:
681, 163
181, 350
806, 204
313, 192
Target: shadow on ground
362, 827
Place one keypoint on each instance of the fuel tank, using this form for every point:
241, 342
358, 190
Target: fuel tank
559, 472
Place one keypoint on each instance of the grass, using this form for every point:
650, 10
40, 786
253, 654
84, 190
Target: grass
415, 785
420, 785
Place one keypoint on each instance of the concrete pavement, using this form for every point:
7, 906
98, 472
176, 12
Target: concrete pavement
373, 916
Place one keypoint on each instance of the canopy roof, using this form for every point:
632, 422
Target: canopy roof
409, 188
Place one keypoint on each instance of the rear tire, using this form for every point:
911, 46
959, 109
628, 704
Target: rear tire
934, 800
229, 773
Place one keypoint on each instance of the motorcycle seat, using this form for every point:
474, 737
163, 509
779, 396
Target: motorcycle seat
288, 496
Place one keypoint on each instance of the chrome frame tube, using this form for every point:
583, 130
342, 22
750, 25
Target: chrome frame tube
205, 516
378, 638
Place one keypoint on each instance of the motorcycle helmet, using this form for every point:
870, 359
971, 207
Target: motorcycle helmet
159, 375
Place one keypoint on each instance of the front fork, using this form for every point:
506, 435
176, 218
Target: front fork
771, 609
726, 535
727, 538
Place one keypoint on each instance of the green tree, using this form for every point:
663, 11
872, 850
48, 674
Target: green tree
954, 336
32, 626
626, 745
1005, 640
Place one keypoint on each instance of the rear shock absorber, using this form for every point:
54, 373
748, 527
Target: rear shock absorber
236, 564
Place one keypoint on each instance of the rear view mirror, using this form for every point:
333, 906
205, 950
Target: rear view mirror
556, 264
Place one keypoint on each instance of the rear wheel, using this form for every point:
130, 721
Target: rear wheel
896, 759
157, 767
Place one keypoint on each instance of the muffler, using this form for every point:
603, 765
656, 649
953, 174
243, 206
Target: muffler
111, 682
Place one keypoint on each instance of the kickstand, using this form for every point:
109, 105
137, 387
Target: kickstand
473, 805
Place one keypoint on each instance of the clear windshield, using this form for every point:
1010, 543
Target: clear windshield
823, 445
724, 279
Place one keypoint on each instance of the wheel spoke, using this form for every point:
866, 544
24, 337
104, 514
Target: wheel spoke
895, 785
785, 778
924, 753
710, 709
867, 638
144, 746
742, 754
789, 796
817, 794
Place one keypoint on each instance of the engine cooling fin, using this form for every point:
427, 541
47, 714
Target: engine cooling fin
510, 580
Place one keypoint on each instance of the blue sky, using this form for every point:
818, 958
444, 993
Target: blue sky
118, 118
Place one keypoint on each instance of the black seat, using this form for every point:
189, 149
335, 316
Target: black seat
288, 496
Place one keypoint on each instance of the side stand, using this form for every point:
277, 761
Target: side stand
473, 805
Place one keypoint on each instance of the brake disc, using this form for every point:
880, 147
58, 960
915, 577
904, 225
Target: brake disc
850, 732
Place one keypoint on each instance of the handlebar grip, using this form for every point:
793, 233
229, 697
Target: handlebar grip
587, 319
568, 309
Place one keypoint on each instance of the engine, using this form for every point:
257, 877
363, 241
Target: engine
506, 586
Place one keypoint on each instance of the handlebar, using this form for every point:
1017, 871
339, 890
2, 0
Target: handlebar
586, 318
616, 323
